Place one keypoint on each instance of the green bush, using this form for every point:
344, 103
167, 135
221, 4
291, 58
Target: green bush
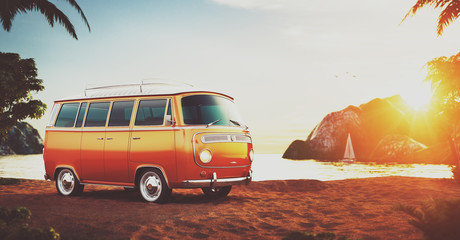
297, 235
13, 225
9, 181
438, 219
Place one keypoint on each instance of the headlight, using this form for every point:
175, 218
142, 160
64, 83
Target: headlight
251, 155
205, 156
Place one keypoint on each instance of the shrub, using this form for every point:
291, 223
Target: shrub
13, 225
297, 235
437, 218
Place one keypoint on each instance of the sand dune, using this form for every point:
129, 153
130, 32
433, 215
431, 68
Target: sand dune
358, 208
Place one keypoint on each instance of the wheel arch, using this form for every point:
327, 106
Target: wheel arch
139, 170
60, 167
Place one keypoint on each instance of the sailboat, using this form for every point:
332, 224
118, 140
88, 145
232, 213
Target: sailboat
349, 155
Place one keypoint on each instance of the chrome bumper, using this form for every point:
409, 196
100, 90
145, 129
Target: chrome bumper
217, 182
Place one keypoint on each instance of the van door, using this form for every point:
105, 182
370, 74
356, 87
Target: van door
92, 142
152, 137
63, 140
116, 142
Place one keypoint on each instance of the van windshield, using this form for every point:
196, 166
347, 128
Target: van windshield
210, 110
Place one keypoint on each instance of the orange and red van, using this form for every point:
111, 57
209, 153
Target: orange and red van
150, 137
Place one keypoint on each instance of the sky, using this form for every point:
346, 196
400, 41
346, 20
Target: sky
287, 63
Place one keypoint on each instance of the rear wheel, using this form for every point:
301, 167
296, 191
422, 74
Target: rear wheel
153, 187
219, 192
67, 183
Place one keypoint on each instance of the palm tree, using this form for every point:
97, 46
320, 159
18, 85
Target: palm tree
450, 12
444, 76
9, 9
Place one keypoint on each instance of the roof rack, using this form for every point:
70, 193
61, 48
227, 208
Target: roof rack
155, 82
145, 88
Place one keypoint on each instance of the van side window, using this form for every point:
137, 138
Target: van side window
97, 114
66, 117
81, 114
54, 112
151, 112
169, 109
120, 115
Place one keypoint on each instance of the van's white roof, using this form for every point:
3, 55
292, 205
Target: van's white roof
131, 90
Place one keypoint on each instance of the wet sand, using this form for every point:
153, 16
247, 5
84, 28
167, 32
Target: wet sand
357, 208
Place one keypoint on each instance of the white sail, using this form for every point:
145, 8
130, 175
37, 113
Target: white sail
349, 154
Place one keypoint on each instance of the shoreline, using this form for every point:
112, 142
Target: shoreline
356, 208
266, 167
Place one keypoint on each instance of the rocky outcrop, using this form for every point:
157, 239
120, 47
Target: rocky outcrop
379, 129
22, 139
394, 148
328, 138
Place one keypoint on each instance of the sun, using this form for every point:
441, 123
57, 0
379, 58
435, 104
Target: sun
418, 96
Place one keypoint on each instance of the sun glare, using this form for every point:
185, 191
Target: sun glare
417, 96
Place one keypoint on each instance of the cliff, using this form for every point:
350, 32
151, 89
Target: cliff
22, 139
382, 130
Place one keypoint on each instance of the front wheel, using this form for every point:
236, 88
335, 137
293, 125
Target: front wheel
219, 192
67, 183
153, 187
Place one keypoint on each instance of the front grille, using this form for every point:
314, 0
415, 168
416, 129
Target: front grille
215, 138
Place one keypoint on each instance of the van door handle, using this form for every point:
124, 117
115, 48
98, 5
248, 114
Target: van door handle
100, 138
136, 138
109, 138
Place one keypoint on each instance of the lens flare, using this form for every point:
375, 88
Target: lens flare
417, 96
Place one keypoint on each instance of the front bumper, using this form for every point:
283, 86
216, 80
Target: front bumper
217, 182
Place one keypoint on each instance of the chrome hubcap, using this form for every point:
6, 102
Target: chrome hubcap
151, 186
66, 182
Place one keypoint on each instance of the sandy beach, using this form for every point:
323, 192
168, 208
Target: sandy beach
357, 208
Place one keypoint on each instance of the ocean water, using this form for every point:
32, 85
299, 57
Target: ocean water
265, 167
22, 166
273, 167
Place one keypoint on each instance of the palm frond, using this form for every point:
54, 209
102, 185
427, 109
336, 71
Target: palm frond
74, 4
440, 3
450, 13
10, 8
419, 4
53, 14
6, 19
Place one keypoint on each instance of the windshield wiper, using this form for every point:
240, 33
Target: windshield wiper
211, 123
235, 122
238, 124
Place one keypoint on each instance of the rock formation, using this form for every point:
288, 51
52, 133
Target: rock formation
328, 138
381, 130
22, 139
393, 148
